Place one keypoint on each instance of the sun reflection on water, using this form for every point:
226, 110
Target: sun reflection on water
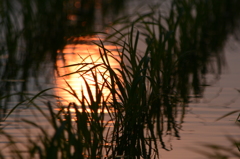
84, 52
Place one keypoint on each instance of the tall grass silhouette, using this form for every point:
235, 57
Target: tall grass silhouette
147, 93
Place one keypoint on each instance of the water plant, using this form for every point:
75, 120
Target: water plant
147, 93
33, 31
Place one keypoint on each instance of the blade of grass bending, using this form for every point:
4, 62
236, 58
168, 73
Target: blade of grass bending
10, 112
98, 93
53, 117
238, 118
142, 16
84, 71
136, 43
39, 109
119, 20
29, 101
88, 90
104, 85
104, 57
9, 95
73, 91
118, 32
76, 64
230, 113
41, 92
105, 53
35, 125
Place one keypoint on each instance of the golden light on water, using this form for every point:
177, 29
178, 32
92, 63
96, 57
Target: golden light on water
80, 54
88, 110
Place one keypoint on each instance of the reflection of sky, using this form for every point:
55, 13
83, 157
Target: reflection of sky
200, 125
75, 54
230, 78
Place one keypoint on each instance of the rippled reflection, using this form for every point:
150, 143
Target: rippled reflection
75, 55
156, 87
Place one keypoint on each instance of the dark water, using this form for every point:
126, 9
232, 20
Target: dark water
32, 57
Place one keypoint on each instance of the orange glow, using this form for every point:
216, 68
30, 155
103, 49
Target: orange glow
72, 17
88, 110
79, 54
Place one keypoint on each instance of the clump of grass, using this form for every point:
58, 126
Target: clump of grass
33, 31
133, 133
146, 92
